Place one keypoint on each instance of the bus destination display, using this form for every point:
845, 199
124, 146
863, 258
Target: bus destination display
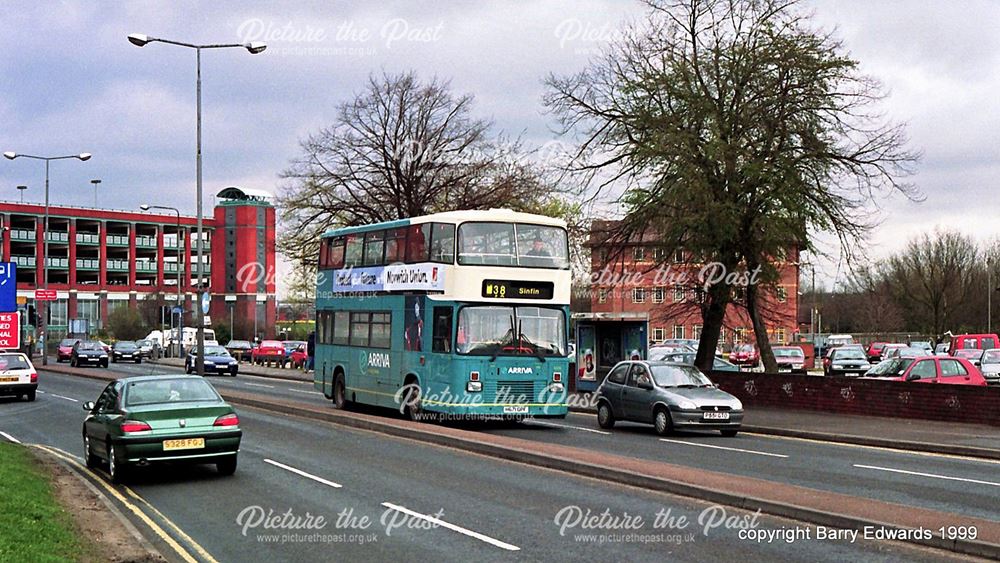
512, 289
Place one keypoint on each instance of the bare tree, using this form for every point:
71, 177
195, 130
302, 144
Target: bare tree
736, 131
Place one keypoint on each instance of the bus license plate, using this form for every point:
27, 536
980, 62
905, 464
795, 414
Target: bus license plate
184, 444
717, 416
515, 410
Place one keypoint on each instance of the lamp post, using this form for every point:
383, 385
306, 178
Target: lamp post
180, 254
21, 189
43, 329
255, 47
95, 182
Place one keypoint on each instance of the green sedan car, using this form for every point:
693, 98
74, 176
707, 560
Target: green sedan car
138, 421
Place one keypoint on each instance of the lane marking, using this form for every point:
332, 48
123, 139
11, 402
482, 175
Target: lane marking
722, 448
555, 425
178, 548
303, 391
40, 392
9, 437
257, 385
197, 547
303, 473
450, 526
932, 475
880, 448
67, 398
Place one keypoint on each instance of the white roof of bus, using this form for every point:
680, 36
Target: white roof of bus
494, 215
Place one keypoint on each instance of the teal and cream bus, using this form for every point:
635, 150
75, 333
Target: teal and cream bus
464, 313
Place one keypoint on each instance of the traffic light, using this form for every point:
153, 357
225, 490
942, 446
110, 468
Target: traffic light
32, 318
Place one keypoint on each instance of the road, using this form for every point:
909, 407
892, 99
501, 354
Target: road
486, 509
963, 486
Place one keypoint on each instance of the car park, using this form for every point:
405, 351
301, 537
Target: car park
669, 396
18, 377
240, 349
846, 361
65, 349
217, 360
126, 351
974, 355
269, 352
139, 421
744, 355
990, 366
790, 359
929, 369
88, 353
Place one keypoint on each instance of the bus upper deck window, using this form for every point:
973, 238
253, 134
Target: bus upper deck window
443, 243
355, 247
395, 246
374, 248
417, 239
335, 253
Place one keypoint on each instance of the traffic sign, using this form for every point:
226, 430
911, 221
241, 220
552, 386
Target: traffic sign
177, 310
10, 331
8, 286
206, 301
45, 295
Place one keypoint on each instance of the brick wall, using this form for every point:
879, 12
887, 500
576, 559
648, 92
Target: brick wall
953, 403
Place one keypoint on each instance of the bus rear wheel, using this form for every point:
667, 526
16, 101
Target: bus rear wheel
339, 392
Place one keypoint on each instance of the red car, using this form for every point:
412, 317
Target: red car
929, 369
65, 349
875, 351
269, 352
744, 354
299, 357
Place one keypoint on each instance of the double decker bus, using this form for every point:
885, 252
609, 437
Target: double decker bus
463, 313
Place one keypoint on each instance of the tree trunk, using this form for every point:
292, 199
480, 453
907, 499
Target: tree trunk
712, 317
760, 330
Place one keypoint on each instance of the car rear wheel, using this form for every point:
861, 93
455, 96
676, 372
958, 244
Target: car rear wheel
116, 469
605, 418
729, 433
30, 396
662, 421
227, 467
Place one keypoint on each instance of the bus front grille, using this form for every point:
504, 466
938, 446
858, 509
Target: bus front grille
510, 392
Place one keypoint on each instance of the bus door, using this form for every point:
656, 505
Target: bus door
442, 328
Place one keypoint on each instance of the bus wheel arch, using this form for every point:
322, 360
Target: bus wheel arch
412, 407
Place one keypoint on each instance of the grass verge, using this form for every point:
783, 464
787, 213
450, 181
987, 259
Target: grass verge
33, 526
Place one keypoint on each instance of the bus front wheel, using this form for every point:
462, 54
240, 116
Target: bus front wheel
339, 392
412, 405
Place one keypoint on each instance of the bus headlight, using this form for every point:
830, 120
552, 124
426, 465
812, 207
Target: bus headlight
556, 388
474, 386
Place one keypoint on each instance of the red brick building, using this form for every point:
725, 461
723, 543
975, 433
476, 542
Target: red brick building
101, 259
638, 278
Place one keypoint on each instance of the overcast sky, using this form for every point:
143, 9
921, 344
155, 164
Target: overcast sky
72, 83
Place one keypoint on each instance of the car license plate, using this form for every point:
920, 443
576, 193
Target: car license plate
184, 444
8, 379
515, 410
716, 416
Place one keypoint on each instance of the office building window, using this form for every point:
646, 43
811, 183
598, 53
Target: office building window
639, 295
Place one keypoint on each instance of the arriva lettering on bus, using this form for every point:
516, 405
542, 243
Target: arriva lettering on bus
520, 370
378, 359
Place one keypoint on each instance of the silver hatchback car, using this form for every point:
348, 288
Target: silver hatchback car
669, 396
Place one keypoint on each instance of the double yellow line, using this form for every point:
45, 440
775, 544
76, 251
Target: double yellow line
163, 535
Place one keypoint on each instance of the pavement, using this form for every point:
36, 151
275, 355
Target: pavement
952, 438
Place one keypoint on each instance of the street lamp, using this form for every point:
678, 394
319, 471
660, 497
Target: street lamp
43, 329
21, 189
180, 316
254, 47
95, 182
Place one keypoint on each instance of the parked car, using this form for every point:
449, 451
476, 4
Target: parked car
667, 395
217, 360
929, 369
924, 345
107, 347
148, 348
972, 354
664, 350
88, 353
269, 352
980, 341
790, 359
65, 349
835, 340
875, 351
744, 355
942, 349
691, 343
126, 351
889, 350
18, 377
290, 346
240, 349
846, 361
159, 418
990, 366
687, 358
299, 357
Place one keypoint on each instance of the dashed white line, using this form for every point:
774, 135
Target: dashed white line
67, 398
450, 526
10, 438
258, 385
303, 473
722, 448
40, 392
555, 425
932, 475
303, 391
